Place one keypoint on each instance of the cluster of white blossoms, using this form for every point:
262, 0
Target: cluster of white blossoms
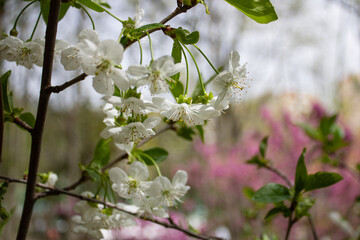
94, 217
146, 197
130, 118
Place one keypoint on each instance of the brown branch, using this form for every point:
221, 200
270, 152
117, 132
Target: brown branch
22, 124
37, 133
59, 88
177, 11
1, 121
142, 216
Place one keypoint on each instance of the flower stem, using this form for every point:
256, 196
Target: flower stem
21, 12
141, 52
36, 24
187, 70
197, 68
151, 47
202, 53
87, 13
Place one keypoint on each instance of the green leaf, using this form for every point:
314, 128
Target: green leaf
45, 8
201, 132
263, 146
176, 88
185, 132
7, 98
191, 38
301, 174
272, 192
157, 154
102, 154
248, 192
28, 118
92, 5
262, 11
94, 174
311, 132
326, 124
321, 180
257, 161
149, 27
303, 207
176, 51
358, 167
273, 212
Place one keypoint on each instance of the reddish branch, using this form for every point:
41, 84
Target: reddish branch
37, 133
22, 124
57, 191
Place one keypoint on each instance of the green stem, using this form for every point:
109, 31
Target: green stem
112, 14
197, 68
151, 48
87, 13
22, 11
187, 70
141, 52
36, 24
202, 53
154, 162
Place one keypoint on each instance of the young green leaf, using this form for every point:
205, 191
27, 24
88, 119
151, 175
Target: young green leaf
176, 88
28, 118
7, 101
248, 192
92, 5
274, 211
201, 132
45, 8
321, 180
326, 124
156, 154
185, 132
311, 132
263, 146
301, 174
176, 51
303, 207
101, 154
272, 192
262, 11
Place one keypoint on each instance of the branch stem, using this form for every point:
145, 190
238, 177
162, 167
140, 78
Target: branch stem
37, 133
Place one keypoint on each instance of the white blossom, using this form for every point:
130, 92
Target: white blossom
26, 54
133, 185
52, 179
229, 84
156, 75
169, 192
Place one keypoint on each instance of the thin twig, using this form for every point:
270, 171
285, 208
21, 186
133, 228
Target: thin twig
142, 216
22, 124
37, 133
59, 88
313, 229
280, 174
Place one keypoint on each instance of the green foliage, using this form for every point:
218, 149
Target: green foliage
248, 192
130, 33
201, 132
301, 174
28, 118
7, 96
303, 206
185, 132
262, 11
272, 192
263, 147
93, 5
101, 155
45, 8
183, 35
4, 215
321, 180
151, 156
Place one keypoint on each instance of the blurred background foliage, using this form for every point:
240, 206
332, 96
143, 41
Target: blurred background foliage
305, 66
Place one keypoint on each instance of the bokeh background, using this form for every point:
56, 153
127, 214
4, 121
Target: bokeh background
302, 67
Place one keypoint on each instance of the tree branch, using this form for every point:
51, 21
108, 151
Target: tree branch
22, 124
37, 133
142, 216
59, 88
280, 174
